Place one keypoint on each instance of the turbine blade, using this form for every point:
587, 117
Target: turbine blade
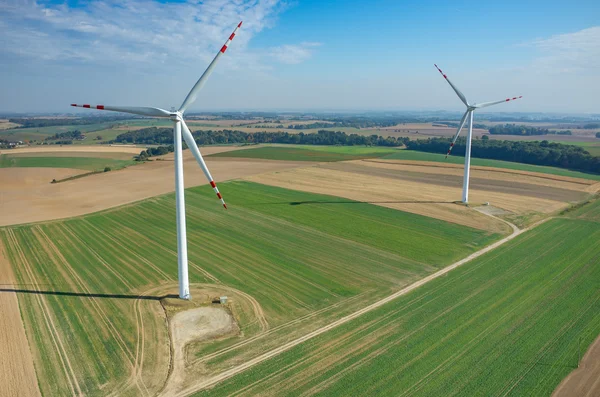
189, 139
460, 94
486, 104
460, 126
142, 111
191, 97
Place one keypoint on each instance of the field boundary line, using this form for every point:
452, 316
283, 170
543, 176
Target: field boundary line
287, 346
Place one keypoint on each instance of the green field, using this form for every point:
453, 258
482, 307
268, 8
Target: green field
41, 133
310, 153
295, 253
508, 323
81, 163
425, 156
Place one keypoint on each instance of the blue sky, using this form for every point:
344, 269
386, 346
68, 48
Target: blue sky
299, 55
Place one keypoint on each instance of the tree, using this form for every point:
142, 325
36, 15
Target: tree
597, 134
485, 138
106, 169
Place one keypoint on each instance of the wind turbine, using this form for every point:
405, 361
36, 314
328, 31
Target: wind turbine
469, 113
180, 129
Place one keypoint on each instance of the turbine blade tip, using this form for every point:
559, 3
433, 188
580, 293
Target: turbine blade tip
225, 205
73, 104
240, 24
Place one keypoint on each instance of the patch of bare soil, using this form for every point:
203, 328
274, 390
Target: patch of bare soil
194, 325
585, 380
17, 375
27, 195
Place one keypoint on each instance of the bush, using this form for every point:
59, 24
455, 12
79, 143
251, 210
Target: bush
106, 169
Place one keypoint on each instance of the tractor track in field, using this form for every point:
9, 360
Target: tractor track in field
59, 345
212, 381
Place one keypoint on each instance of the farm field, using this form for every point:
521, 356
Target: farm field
507, 323
341, 153
309, 153
40, 133
90, 163
31, 187
426, 188
97, 314
425, 156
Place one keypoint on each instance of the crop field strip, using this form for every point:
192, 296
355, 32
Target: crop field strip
100, 263
83, 163
40, 133
478, 182
425, 156
306, 153
507, 323
342, 153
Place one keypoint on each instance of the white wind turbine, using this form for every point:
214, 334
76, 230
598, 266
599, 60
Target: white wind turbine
469, 113
179, 129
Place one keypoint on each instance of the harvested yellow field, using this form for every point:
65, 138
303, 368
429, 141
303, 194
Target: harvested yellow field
6, 125
433, 191
30, 188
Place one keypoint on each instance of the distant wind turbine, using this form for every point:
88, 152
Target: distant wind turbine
179, 128
469, 113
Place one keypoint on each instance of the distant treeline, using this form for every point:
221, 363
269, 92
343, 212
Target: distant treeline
591, 126
156, 151
513, 129
529, 152
159, 136
36, 123
69, 135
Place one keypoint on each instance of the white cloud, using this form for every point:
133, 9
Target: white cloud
293, 53
570, 52
132, 30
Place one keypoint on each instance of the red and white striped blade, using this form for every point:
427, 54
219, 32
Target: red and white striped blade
460, 126
486, 104
191, 97
189, 139
460, 94
142, 111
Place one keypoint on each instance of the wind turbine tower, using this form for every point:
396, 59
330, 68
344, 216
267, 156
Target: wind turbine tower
180, 130
469, 113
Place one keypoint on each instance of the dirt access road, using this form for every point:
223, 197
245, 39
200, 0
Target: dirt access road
206, 383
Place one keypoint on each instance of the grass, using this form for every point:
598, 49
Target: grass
507, 323
425, 156
293, 258
309, 153
82, 163
590, 211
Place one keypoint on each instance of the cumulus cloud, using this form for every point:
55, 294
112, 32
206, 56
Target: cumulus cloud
569, 52
293, 53
123, 31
